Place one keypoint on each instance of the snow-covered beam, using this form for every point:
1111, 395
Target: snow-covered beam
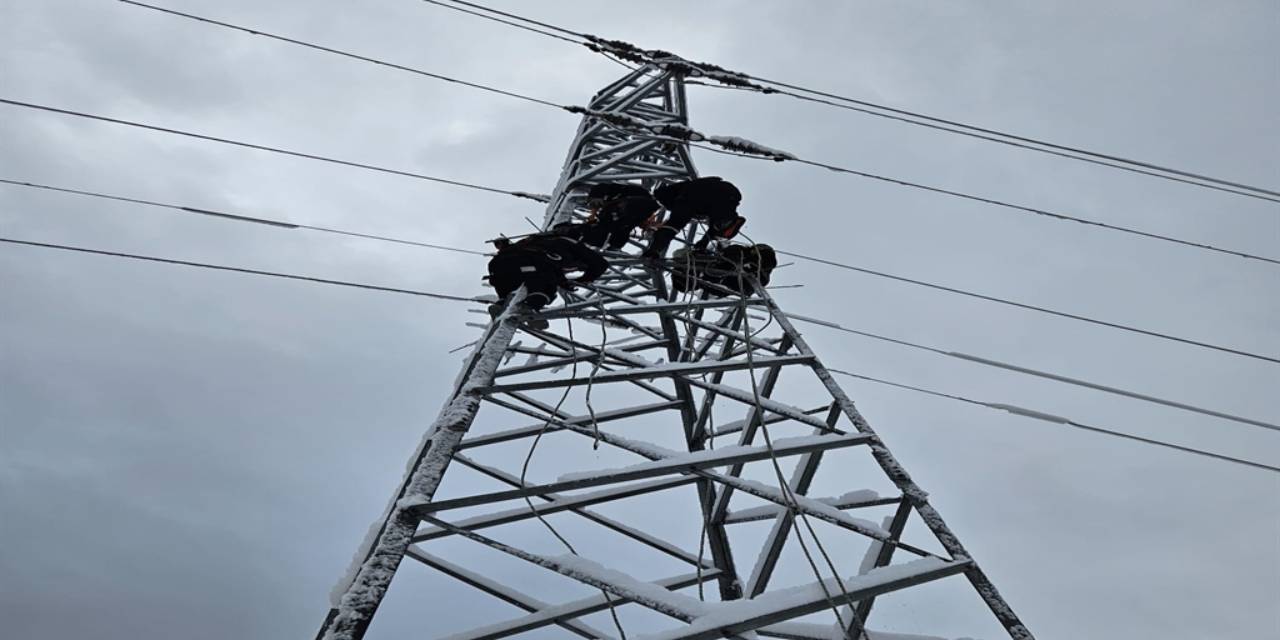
600, 418
643, 537
358, 594
657, 307
502, 592
654, 371
557, 505
687, 463
859, 499
742, 616
568, 610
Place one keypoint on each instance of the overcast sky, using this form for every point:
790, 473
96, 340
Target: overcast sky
191, 454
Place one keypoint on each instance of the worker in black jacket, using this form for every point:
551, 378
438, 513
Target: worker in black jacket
617, 208
728, 270
711, 200
542, 263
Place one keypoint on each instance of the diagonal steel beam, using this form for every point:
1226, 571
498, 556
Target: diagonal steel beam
642, 537
765, 610
569, 610
500, 591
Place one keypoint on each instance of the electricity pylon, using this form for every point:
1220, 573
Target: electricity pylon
658, 367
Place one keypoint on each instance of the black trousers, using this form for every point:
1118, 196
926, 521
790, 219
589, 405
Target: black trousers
540, 276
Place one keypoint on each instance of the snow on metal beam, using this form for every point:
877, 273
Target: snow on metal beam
601, 417
560, 504
741, 616
652, 371
501, 591
574, 609
686, 463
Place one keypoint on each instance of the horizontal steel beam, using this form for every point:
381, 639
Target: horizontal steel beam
568, 610
600, 417
642, 537
557, 505
656, 371
733, 518
660, 467
658, 307
762, 612
500, 591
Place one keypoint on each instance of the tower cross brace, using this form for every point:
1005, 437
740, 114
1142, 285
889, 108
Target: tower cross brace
663, 359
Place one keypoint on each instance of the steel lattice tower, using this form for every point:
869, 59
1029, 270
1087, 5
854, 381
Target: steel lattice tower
659, 369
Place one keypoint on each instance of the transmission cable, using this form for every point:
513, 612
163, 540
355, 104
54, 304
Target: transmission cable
720, 141
1037, 373
259, 147
239, 218
602, 45
1046, 417
347, 54
219, 267
880, 274
506, 22
991, 201
439, 296
528, 458
784, 487
1257, 192
980, 136
1030, 307
545, 25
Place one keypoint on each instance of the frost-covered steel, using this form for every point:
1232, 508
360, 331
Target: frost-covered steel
682, 393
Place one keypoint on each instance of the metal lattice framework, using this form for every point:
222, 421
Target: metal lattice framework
659, 368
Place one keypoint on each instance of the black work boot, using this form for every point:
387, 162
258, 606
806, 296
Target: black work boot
535, 302
495, 308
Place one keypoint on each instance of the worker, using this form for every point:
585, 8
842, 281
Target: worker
617, 208
712, 200
731, 269
542, 262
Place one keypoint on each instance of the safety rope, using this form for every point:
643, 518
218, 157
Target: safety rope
524, 472
784, 486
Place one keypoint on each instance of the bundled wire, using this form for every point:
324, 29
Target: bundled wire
524, 472
743, 81
784, 486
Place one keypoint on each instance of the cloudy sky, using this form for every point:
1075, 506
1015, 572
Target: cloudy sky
193, 454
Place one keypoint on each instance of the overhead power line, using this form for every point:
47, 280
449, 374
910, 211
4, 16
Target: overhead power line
541, 198
902, 115
343, 283
1000, 203
717, 140
1003, 407
346, 54
259, 147
1030, 307
238, 217
989, 138
1064, 151
219, 267
1046, 417
1041, 212
1037, 373
517, 25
